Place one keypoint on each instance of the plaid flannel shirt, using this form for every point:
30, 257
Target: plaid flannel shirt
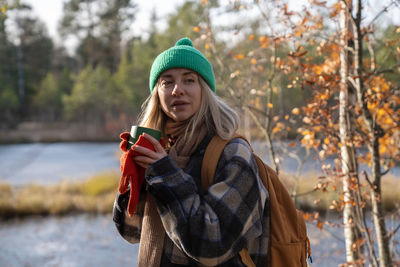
207, 228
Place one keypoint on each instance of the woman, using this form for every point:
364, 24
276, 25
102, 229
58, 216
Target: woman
202, 227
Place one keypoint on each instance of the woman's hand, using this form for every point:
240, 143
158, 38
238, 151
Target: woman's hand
147, 156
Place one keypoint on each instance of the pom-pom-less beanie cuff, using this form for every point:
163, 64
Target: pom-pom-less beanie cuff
182, 55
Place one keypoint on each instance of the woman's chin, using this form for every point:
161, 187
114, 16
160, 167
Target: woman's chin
178, 117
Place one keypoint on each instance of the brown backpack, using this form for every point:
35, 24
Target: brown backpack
288, 243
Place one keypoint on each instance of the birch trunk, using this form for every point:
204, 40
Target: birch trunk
349, 167
246, 125
382, 237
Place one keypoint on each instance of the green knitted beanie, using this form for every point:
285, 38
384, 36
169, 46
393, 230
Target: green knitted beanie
182, 55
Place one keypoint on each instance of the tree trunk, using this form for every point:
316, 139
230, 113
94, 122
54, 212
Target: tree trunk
246, 125
382, 237
21, 78
375, 132
349, 168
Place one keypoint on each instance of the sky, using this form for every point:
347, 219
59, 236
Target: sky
50, 11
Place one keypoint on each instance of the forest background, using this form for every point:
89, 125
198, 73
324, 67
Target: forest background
99, 88
321, 76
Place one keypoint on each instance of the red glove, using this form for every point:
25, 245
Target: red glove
131, 172
124, 143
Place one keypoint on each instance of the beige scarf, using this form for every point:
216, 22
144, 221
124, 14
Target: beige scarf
153, 233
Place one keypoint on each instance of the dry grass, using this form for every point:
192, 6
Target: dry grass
321, 193
95, 195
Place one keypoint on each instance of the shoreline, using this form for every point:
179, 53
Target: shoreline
41, 132
96, 196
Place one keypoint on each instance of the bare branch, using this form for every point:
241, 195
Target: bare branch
352, 81
304, 193
372, 53
391, 235
267, 135
257, 110
385, 9
385, 172
388, 70
350, 49
367, 178
264, 15
348, 8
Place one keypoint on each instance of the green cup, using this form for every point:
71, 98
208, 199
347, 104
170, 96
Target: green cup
136, 131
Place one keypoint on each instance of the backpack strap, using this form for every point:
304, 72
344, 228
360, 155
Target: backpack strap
211, 157
210, 160
208, 168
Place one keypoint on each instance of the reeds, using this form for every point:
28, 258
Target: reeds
96, 195
313, 193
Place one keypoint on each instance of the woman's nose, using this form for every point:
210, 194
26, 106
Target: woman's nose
178, 90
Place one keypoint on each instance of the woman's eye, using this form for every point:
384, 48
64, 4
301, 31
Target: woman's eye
190, 80
166, 83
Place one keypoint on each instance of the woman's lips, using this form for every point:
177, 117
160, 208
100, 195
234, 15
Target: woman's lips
179, 103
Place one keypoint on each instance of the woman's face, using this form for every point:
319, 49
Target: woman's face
179, 93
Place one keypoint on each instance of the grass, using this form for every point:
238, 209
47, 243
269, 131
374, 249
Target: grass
96, 195
323, 195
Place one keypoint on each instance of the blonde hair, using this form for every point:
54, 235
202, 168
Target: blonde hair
214, 114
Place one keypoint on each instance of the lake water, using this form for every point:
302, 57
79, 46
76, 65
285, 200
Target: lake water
68, 241
53, 162
94, 241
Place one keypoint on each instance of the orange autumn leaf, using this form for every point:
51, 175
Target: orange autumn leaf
196, 29
298, 33
251, 37
276, 129
253, 61
239, 56
307, 216
263, 40
204, 2
318, 70
324, 96
319, 225
296, 111
336, 8
321, 3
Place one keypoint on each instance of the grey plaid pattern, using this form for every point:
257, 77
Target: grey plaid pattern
129, 227
210, 228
